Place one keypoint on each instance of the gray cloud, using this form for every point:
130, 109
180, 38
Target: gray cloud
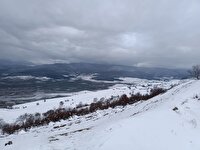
131, 32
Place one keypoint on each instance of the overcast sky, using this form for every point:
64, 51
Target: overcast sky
161, 33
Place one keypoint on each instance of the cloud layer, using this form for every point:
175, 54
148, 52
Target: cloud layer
162, 33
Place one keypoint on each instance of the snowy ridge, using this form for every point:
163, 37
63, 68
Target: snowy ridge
152, 124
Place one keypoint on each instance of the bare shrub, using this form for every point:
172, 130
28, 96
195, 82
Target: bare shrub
27, 121
195, 72
61, 103
156, 91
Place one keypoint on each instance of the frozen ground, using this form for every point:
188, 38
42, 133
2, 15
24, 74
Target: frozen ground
152, 124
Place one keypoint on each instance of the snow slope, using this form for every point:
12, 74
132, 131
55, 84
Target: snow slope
161, 127
152, 125
138, 85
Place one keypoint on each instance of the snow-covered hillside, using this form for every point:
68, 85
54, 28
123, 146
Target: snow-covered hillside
166, 122
135, 85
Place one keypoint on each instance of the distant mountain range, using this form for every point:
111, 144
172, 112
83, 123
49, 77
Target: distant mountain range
22, 82
102, 71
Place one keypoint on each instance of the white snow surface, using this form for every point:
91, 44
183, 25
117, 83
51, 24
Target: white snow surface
146, 125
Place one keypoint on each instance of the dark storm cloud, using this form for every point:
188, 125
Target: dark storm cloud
132, 32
